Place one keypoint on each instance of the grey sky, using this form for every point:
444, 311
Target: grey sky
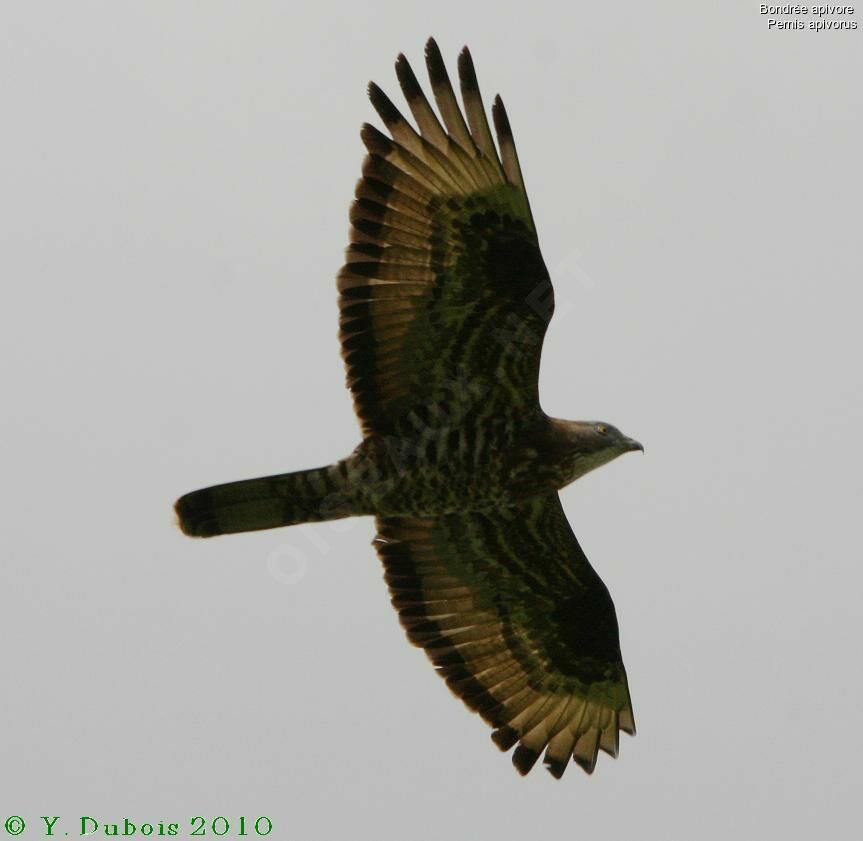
174, 188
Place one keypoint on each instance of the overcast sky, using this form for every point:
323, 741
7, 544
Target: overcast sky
174, 186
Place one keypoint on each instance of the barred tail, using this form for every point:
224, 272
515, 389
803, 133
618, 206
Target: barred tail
266, 503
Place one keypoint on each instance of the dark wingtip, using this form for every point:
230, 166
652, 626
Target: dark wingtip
434, 62
501, 120
383, 104
555, 767
504, 738
375, 140
466, 70
407, 78
626, 721
374, 91
587, 765
524, 759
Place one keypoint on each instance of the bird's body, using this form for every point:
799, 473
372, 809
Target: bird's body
444, 303
481, 461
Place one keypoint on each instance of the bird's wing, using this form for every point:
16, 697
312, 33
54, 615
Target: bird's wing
509, 610
444, 295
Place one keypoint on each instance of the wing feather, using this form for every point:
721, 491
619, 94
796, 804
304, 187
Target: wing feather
511, 166
443, 260
427, 120
474, 108
445, 97
509, 610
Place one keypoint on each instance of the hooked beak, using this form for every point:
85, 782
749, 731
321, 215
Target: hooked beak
632, 445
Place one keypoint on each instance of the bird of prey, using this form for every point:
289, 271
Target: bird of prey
444, 301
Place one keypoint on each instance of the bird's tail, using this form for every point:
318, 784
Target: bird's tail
303, 497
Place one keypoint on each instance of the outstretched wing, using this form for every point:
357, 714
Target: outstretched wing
444, 295
509, 610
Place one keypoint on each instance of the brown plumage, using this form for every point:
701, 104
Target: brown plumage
444, 301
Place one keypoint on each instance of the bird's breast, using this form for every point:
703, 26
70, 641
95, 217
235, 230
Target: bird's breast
472, 466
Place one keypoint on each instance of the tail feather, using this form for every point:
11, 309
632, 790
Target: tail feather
266, 503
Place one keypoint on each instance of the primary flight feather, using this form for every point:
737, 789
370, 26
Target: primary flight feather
444, 301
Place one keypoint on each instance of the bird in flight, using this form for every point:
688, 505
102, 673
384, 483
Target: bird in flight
444, 301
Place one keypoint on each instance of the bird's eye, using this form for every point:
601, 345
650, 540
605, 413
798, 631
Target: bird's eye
602, 429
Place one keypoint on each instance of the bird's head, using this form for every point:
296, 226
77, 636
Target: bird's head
586, 445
